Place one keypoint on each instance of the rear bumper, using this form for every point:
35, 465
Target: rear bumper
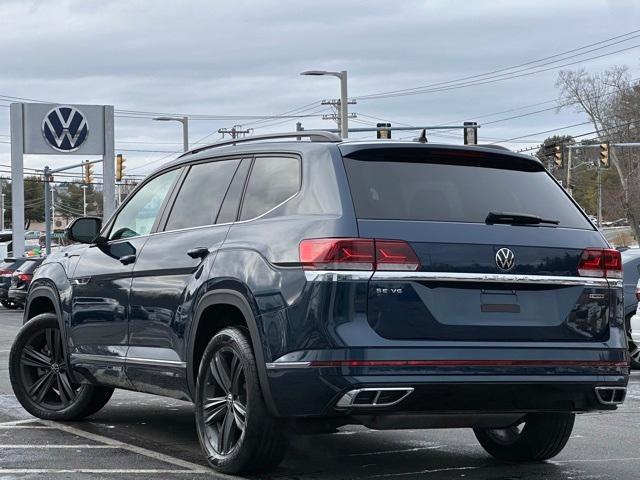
310, 388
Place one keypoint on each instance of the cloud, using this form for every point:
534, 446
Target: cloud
243, 58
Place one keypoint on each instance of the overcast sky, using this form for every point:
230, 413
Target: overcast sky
244, 58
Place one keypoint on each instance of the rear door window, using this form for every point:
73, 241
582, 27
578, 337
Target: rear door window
201, 194
450, 192
273, 180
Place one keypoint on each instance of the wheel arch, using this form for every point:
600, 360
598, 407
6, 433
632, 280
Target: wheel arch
235, 299
43, 299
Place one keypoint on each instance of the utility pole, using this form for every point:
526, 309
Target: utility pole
599, 196
344, 100
235, 131
47, 210
337, 115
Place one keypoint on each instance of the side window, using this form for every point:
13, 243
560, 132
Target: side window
201, 194
272, 181
139, 214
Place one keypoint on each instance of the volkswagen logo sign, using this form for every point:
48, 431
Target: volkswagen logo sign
505, 259
65, 128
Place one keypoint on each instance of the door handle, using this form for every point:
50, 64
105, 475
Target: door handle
127, 259
198, 252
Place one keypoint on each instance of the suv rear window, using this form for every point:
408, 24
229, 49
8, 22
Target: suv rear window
450, 192
29, 266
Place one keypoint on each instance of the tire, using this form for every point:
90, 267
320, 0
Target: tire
541, 437
39, 374
236, 431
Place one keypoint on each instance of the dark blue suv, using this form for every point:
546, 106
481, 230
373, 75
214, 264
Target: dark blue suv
286, 285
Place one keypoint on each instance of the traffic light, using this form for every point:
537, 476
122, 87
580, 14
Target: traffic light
88, 173
384, 130
557, 155
119, 167
604, 155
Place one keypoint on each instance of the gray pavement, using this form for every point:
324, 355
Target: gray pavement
144, 436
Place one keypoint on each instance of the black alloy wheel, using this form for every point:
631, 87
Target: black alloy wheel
225, 401
43, 371
236, 431
40, 375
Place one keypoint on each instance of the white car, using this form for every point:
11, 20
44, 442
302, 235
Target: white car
635, 334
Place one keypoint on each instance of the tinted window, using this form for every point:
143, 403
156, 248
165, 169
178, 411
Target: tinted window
272, 181
29, 266
139, 214
455, 193
201, 194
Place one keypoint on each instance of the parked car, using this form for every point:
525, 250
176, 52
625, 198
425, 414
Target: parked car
635, 333
631, 269
7, 267
286, 284
21, 279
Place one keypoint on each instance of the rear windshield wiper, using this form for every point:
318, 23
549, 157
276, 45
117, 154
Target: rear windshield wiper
517, 219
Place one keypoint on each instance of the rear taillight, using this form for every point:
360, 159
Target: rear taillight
357, 254
600, 262
5, 273
638, 293
25, 277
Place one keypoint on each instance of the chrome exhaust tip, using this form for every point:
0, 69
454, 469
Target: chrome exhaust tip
611, 395
373, 397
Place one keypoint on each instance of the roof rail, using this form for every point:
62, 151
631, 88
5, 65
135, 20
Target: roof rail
312, 135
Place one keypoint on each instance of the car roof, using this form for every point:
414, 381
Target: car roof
346, 147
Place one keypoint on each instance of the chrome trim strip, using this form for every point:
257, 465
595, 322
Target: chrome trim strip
287, 365
337, 275
86, 357
153, 361
495, 278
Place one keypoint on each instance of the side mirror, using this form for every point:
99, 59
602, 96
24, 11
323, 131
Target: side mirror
84, 229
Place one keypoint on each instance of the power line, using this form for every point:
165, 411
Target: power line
489, 75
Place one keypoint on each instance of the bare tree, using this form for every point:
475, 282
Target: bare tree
612, 103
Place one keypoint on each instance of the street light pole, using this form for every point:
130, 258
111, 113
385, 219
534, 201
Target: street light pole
185, 128
344, 100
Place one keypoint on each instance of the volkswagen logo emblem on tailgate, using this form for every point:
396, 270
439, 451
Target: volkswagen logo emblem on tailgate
65, 128
505, 259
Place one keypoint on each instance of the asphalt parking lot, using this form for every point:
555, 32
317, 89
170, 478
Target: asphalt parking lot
144, 436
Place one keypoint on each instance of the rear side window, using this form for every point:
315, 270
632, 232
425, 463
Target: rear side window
273, 180
201, 194
449, 192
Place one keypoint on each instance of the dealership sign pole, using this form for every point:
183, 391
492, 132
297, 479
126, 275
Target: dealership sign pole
52, 129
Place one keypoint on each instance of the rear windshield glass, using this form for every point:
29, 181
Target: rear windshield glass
449, 192
29, 266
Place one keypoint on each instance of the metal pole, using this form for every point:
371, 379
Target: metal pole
185, 133
344, 105
17, 179
108, 166
2, 208
599, 197
569, 158
84, 200
47, 212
